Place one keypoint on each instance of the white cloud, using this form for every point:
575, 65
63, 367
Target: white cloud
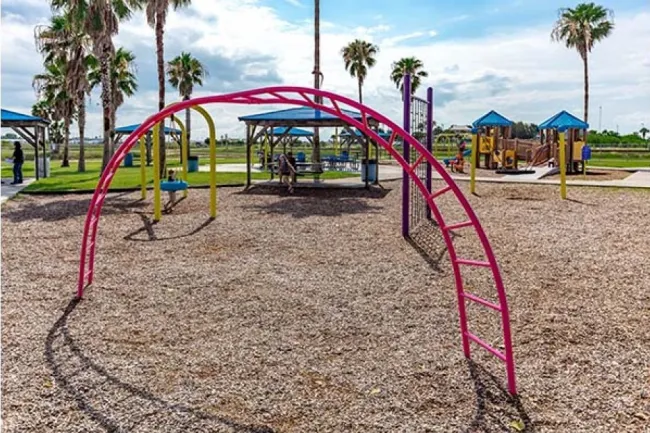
520, 73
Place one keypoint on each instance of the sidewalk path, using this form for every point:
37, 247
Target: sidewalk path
639, 179
8, 191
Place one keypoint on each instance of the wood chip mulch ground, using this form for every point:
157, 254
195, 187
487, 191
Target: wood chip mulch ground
595, 175
310, 313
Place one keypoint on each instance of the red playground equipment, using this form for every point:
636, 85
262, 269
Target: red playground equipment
339, 106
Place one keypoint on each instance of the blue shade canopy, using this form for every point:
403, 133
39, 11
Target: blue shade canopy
131, 128
305, 114
563, 121
491, 118
293, 132
12, 116
358, 133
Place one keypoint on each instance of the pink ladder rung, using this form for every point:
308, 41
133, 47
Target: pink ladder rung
415, 164
392, 138
458, 225
486, 346
440, 192
478, 263
482, 301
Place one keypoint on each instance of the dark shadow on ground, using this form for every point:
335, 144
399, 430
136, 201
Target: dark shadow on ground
317, 202
59, 210
496, 409
428, 242
89, 384
148, 228
375, 192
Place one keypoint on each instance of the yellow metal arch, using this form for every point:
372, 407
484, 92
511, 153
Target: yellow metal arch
185, 146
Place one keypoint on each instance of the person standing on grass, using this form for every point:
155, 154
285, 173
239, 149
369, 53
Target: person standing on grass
286, 171
19, 159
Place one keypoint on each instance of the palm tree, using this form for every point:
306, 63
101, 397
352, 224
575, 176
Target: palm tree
43, 109
358, 57
184, 72
580, 28
65, 39
644, 131
408, 65
100, 20
51, 87
318, 78
156, 12
123, 79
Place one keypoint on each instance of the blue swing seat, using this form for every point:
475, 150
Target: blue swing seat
177, 185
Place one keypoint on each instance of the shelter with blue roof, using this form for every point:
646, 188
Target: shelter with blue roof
32, 129
265, 125
575, 131
129, 129
493, 131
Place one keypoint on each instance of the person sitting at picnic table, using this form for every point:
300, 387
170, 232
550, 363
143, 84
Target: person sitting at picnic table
292, 162
286, 171
18, 160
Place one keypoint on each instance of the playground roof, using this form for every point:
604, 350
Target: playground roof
303, 116
11, 118
358, 133
491, 118
563, 121
131, 128
293, 132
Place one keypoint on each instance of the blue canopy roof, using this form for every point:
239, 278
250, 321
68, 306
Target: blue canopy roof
358, 133
293, 132
131, 128
302, 113
12, 116
563, 121
491, 118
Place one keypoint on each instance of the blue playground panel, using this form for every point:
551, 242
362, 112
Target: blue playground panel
447, 161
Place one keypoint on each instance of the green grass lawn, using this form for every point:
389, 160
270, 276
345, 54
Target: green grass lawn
68, 179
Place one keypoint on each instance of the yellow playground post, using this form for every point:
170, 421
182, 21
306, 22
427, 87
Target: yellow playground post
157, 211
143, 168
472, 167
184, 148
562, 166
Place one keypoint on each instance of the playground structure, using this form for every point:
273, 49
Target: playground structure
564, 131
417, 162
493, 130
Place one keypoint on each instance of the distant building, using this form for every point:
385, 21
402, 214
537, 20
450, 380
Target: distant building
460, 129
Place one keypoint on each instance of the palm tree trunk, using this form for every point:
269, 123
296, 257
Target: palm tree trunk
106, 104
188, 127
586, 73
360, 90
66, 141
114, 91
160, 56
315, 156
81, 167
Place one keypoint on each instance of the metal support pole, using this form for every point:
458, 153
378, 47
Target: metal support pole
407, 157
429, 143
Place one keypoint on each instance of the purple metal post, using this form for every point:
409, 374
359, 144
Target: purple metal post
406, 96
429, 141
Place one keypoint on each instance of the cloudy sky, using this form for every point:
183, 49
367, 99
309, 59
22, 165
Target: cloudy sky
480, 55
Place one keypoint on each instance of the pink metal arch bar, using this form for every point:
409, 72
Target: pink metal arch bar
304, 96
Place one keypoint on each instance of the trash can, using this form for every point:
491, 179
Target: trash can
371, 165
192, 164
128, 160
43, 171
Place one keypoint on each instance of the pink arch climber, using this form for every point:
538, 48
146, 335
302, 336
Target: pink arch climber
303, 96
